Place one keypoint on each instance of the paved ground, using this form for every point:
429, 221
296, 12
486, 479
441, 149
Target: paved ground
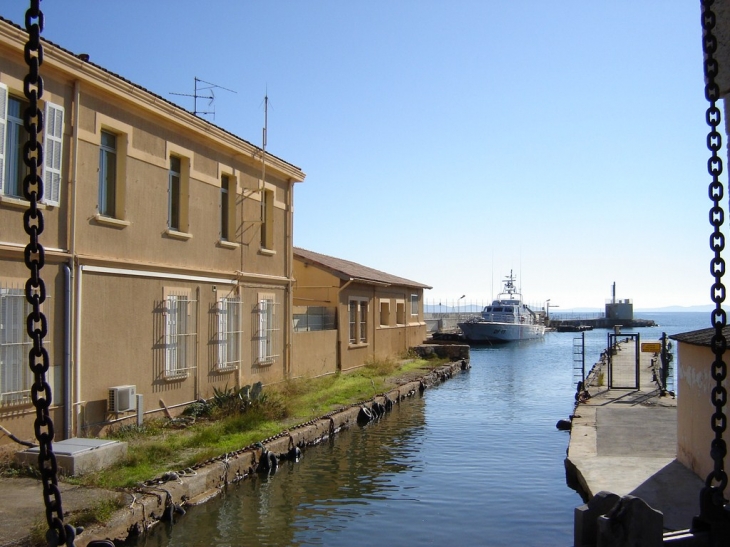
625, 441
21, 506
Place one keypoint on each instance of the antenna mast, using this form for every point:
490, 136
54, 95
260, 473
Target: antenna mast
210, 96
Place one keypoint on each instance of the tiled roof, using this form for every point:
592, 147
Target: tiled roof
155, 95
352, 270
702, 337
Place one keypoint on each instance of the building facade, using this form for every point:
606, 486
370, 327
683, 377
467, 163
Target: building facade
374, 315
168, 245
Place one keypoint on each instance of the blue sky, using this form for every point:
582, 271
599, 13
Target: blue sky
449, 142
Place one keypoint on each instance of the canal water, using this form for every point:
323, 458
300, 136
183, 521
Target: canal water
475, 461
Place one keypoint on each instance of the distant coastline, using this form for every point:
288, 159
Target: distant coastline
666, 309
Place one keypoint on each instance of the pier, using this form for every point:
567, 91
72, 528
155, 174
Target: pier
624, 440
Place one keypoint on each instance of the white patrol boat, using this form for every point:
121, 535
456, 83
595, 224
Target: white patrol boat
507, 319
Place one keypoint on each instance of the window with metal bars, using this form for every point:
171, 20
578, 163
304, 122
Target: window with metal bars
229, 333
15, 375
180, 334
358, 312
266, 330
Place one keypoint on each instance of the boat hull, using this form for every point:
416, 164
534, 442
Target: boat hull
488, 331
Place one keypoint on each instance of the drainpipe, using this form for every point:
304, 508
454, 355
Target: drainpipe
289, 258
77, 352
67, 339
74, 279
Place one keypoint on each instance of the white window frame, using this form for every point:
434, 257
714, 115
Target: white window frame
16, 377
108, 175
415, 305
229, 333
266, 331
357, 312
180, 333
52, 150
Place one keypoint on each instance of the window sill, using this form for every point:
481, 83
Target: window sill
174, 234
225, 244
18, 203
226, 368
172, 377
357, 346
266, 252
264, 363
111, 221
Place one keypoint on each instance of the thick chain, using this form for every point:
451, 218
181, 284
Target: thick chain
717, 480
35, 289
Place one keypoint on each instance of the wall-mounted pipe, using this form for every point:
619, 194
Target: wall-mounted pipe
67, 343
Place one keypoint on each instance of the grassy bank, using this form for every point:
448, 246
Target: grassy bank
231, 420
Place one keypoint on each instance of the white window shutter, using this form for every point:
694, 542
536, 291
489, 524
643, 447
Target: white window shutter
3, 132
53, 154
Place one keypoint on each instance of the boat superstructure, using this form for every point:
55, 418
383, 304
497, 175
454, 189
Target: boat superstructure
507, 319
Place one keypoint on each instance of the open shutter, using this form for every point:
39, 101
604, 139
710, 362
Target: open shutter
53, 154
3, 132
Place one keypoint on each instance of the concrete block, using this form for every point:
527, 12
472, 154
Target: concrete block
585, 529
78, 456
631, 523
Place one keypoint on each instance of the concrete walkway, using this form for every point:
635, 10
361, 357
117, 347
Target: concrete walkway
625, 441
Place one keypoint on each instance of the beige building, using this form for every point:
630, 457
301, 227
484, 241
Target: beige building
694, 405
346, 314
168, 263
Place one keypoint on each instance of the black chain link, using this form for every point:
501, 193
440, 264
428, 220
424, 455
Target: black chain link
35, 289
712, 501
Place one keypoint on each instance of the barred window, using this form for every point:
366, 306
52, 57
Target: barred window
180, 335
266, 331
229, 333
15, 375
358, 312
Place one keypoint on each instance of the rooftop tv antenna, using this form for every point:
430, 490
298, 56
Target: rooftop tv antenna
209, 87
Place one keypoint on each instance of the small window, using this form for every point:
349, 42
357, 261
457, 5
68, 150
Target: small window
267, 220
174, 195
358, 312
400, 312
414, 305
384, 313
225, 197
108, 174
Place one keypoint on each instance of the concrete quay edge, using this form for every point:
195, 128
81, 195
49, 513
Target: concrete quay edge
613, 449
21, 500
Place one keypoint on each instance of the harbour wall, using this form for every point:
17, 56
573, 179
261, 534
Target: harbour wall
164, 498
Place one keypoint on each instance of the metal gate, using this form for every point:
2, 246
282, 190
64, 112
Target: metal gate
623, 361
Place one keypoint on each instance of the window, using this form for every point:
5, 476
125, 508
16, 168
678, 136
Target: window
174, 194
400, 312
225, 232
414, 305
180, 335
107, 174
358, 312
15, 136
266, 330
229, 333
15, 374
12, 138
384, 313
267, 220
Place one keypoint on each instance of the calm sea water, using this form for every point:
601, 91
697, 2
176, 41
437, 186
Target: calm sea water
475, 461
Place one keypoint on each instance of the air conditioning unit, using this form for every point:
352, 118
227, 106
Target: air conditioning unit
122, 398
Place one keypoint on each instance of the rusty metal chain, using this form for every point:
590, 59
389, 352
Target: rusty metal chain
712, 501
35, 289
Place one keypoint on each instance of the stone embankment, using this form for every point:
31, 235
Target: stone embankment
166, 497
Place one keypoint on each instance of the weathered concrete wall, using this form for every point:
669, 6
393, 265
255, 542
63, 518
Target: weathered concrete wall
314, 353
